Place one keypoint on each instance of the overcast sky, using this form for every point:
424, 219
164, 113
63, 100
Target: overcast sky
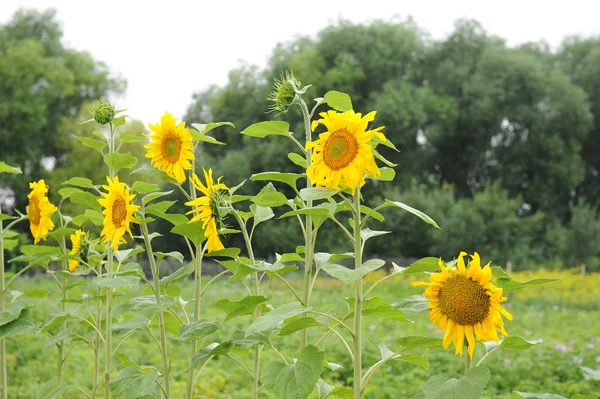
167, 50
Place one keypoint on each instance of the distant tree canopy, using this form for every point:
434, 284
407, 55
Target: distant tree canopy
500, 143
43, 86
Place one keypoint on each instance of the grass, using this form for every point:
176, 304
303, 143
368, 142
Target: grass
560, 313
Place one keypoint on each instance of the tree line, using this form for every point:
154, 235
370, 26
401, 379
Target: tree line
498, 144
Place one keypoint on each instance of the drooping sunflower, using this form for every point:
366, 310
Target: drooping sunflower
465, 303
171, 149
118, 212
206, 208
75, 248
39, 210
343, 155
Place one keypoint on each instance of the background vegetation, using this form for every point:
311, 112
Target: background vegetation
497, 144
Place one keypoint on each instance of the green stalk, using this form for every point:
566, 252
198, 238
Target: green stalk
467, 361
97, 347
197, 306
61, 343
308, 241
161, 317
358, 300
3, 374
109, 290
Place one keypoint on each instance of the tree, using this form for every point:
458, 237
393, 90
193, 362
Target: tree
43, 86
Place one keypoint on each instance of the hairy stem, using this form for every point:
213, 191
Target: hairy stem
3, 374
197, 306
161, 315
308, 241
358, 300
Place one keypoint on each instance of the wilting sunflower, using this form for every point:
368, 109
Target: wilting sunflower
118, 212
206, 208
172, 148
343, 155
76, 247
39, 211
465, 303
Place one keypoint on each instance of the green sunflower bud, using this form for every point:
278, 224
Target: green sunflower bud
284, 93
103, 112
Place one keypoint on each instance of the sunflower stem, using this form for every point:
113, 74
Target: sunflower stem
161, 316
308, 236
358, 300
109, 291
61, 343
467, 361
3, 374
197, 306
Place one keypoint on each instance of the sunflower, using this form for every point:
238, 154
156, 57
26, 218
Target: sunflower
343, 155
465, 303
118, 212
76, 247
39, 211
206, 208
171, 149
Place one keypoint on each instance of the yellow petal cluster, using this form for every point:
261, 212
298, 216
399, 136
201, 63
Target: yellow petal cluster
39, 211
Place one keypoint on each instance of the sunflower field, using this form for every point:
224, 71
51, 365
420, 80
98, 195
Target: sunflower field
295, 325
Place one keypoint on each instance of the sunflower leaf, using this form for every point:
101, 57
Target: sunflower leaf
149, 171
297, 159
316, 193
525, 395
79, 182
338, 100
205, 128
5, 168
120, 161
469, 386
92, 143
511, 342
268, 128
131, 138
287, 178
510, 285
270, 321
193, 231
412, 210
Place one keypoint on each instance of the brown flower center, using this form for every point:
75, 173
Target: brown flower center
119, 211
340, 149
464, 301
34, 210
171, 148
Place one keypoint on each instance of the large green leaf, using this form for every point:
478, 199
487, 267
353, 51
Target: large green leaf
510, 285
193, 231
5, 168
525, 395
141, 187
298, 380
150, 171
511, 342
12, 312
316, 193
133, 384
299, 324
261, 213
377, 307
413, 303
347, 275
269, 197
205, 128
92, 143
268, 128
590, 374
338, 100
79, 182
120, 161
414, 342
469, 386
287, 178
87, 199
195, 330
297, 159
268, 322
412, 210
50, 390
37, 250
244, 306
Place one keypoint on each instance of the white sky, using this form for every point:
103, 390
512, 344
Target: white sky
167, 50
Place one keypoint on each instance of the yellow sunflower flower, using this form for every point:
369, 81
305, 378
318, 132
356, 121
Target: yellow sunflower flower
171, 149
465, 303
343, 155
118, 212
76, 247
39, 211
206, 208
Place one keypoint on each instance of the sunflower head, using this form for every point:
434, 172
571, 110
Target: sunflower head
171, 149
343, 155
465, 303
118, 212
207, 208
75, 249
103, 112
39, 210
284, 93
